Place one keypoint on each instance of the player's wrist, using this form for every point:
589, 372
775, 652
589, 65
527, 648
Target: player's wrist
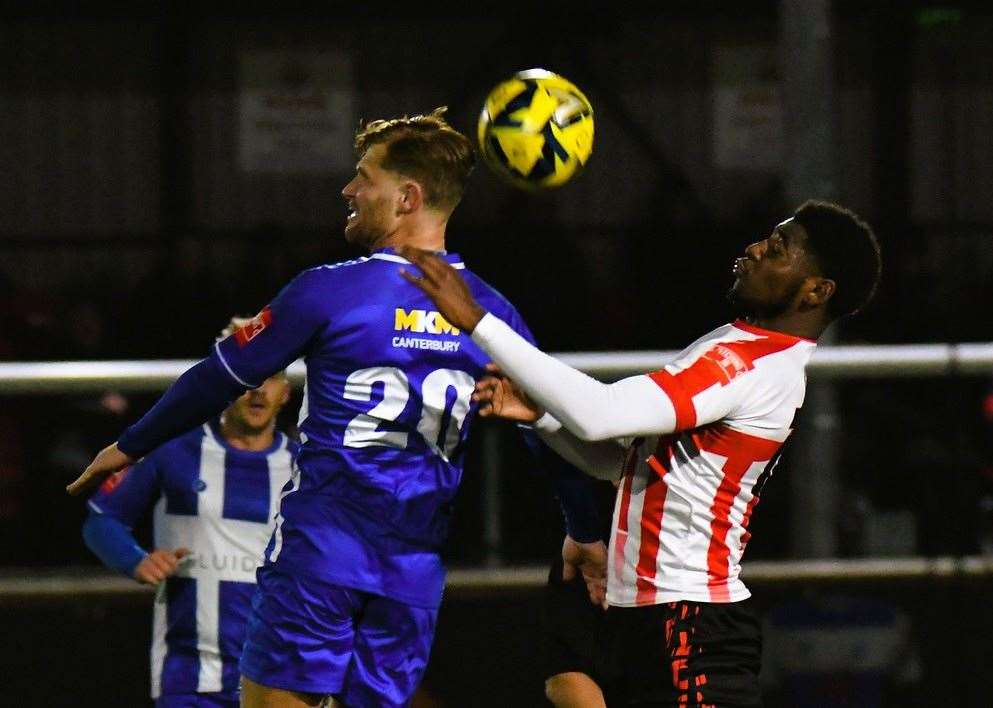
474, 317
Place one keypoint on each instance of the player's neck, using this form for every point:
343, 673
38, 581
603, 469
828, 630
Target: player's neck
242, 438
808, 325
427, 234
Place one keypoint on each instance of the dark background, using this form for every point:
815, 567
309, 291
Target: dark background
128, 230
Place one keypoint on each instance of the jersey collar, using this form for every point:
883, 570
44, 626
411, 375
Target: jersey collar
214, 428
389, 254
770, 333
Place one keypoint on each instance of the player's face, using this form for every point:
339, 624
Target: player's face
256, 409
769, 277
372, 200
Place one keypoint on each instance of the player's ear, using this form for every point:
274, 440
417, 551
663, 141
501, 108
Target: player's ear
820, 290
284, 397
411, 197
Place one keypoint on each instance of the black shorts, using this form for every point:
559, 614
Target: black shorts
574, 631
692, 654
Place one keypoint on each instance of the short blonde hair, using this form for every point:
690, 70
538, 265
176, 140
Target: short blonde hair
426, 149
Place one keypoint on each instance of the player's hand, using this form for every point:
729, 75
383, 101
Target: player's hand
499, 396
590, 559
159, 565
444, 286
107, 461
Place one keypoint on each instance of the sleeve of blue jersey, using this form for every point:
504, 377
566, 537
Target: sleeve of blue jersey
136, 489
112, 542
114, 509
234, 365
200, 393
297, 314
574, 488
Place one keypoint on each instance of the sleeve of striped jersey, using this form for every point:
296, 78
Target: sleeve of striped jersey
278, 335
127, 495
590, 409
112, 542
602, 459
683, 381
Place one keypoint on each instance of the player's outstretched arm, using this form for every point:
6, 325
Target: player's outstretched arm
107, 462
592, 410
498, 396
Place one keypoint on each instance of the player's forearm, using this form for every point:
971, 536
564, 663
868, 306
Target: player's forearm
112, 542
201, 393
589, 408
602, 459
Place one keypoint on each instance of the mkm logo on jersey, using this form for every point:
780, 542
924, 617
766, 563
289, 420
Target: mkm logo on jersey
422, 321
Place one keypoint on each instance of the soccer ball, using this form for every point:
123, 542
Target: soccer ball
536, 130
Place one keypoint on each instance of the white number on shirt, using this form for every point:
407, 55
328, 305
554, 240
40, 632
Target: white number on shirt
363, 430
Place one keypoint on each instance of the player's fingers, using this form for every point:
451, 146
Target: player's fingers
79, 484
422, 259
142, 576
598, 593
435, 269
161, 562
497, 398
487, 383
151, 575
181, 553
411, 278
91, 477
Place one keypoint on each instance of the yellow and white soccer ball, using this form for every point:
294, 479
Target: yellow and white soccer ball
536, 130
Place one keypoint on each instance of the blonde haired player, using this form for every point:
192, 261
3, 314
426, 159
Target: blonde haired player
348, 595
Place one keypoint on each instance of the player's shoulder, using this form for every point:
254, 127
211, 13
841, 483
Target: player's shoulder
488, 296
738, 348
751, 340
330, 272
181, 446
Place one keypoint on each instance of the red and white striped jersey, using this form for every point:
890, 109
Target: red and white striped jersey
685, 499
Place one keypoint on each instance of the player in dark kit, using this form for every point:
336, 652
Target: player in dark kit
580, 671
348, 595
698, 439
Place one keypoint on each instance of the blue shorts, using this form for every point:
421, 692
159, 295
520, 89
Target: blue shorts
314, 637
198, 700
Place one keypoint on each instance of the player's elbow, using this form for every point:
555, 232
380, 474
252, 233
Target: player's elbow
592, 430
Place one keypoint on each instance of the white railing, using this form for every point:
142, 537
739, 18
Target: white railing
896, 360
35, 585
909, 360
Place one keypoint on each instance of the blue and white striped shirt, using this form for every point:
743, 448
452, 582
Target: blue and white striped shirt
219, 502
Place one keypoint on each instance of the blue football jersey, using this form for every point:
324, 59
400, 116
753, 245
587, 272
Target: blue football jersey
384, 420
219, 502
